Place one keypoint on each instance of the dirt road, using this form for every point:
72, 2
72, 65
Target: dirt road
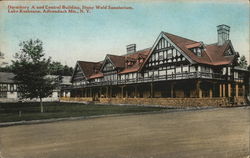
207, 133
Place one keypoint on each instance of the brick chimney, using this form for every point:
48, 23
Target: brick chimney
131, 48
223, 33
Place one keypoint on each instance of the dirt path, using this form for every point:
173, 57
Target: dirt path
208, 133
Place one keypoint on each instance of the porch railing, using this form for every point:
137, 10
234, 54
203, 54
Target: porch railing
178, 76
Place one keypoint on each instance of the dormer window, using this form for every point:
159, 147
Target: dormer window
196, 48
130, 63
140, 60
197, 51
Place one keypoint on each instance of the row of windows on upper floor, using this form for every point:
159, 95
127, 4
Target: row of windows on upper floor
162, 55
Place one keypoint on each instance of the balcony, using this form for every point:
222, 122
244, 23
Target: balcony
179, 76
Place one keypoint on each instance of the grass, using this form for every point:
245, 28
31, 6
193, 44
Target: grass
10, 112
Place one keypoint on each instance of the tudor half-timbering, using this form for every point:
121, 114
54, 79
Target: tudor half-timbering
174, 67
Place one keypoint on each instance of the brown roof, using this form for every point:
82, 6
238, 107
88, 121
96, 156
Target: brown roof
89, 68
139, 54
118, 61
216, 54
212, 55
182, 43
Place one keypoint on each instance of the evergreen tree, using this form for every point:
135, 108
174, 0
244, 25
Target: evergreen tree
243, 62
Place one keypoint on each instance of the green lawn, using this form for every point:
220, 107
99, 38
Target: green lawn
9, 112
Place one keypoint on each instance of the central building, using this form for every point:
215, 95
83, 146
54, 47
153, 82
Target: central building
175, 70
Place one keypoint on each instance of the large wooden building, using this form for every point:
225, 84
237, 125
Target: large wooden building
175, 70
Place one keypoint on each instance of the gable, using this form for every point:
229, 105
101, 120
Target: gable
107, 65
165, 53
219, 54
229, 51
78, 74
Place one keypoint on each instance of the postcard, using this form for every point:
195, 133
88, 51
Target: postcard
124, 78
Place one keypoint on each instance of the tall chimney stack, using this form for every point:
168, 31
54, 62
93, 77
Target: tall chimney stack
223, 33
131, 48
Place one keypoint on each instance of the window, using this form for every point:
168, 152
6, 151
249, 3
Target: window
174, 52
156, 56
197, 51
205, 69
178, 69
162, 72
153, 57
170, 71
192, 69
130, 76
150, 74
229, 52
236, 75
169, 53
156, 73
185, 68
11, 87
166, 43
161, 56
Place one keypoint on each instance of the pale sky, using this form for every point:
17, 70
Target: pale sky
89, 37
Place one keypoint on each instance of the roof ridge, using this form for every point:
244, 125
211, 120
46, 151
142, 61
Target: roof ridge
179, 36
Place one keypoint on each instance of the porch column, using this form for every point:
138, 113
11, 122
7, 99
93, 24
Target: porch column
110, 92
100, 92
199, 89
91, 94
229, 90
151, 90
243, 90
220, 90
122, 92
107, 89
236, 90
135, 92
172, 90
126, 92
211, 92
224, 90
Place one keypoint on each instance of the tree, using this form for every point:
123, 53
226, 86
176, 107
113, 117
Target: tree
30, 68
56, 68
243, 62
